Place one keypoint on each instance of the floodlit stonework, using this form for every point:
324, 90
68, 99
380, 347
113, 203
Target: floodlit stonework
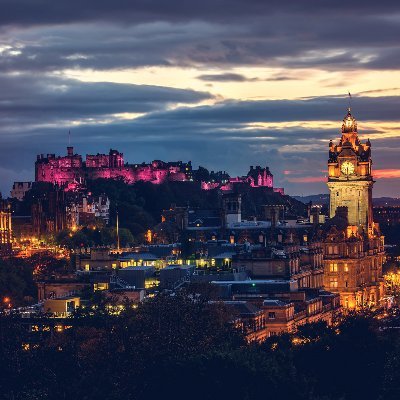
71, 171
353, 245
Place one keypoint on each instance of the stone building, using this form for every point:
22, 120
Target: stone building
19, 189
5, 229
353, 266
350, 175
353, 244
290, 261
71, 170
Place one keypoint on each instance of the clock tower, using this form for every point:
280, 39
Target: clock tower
350, 176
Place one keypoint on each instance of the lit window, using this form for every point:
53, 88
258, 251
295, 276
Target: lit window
333, 267
346, 268
333, 283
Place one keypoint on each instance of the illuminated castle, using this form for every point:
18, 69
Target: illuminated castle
257, 177
71, 171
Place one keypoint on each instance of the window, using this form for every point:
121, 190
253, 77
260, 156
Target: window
100, 286
346, 268
271, 315
333, 283
333, 267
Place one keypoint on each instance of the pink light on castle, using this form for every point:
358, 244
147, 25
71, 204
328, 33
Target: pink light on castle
71, 171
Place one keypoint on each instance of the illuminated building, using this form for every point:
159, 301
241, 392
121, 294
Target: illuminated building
283, 305
86, 209
350, 176
257, 177
250, 320
387, 215
71, 171
353, 245
5, 229
299, 309
287, 259
61, 307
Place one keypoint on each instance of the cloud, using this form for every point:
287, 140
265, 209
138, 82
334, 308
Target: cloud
25, 12
219, 137
27, 100
51, 36
226, 77
280, 78
41, 42
322, 108
386, 173
226, 135
307, 179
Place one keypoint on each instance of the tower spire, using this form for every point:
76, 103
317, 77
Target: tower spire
349, 100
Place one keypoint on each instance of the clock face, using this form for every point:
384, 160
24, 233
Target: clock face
348, 168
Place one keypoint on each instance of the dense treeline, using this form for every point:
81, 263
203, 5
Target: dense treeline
17, 276
140, 205
172, 347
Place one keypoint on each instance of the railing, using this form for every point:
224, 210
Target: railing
327, 307
64, 295
115, 280
300, 315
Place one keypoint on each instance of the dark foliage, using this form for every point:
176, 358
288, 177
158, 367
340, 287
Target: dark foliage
174, 347
17, 276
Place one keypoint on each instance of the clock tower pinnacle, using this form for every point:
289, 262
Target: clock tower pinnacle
350, 175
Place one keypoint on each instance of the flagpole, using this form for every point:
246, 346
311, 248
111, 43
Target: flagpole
117, 232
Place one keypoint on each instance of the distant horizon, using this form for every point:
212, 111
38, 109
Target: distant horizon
195, 165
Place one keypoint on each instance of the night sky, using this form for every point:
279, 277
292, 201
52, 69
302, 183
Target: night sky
224, 83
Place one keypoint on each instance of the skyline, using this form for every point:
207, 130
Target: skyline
225, 85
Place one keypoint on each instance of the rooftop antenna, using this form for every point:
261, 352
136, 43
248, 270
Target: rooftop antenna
117, 231
69, 138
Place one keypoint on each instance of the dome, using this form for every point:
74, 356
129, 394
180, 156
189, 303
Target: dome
349, 123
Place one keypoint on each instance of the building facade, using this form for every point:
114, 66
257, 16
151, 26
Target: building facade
353, 244
71, 170
5, 229
19, 190
350, 175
